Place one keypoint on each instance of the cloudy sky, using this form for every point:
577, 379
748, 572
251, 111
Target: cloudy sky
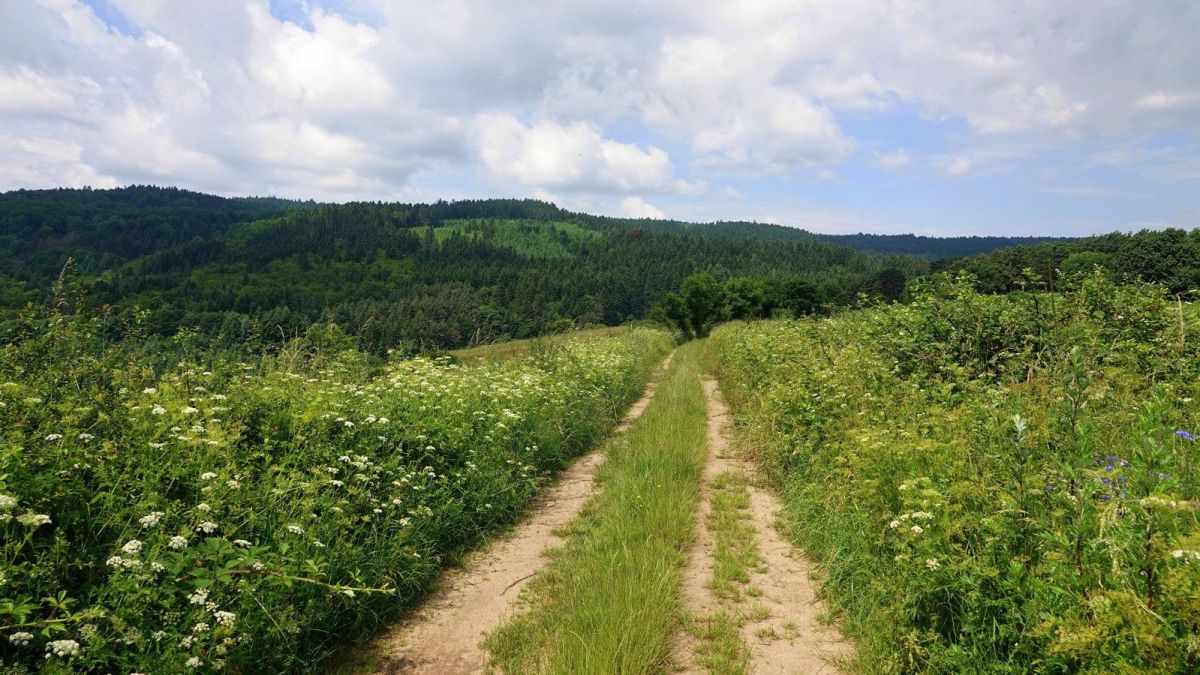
954, 117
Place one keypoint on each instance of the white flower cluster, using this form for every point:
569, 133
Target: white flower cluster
20, 638
151, 519
62, 648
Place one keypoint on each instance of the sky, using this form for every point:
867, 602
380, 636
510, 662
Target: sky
1016, 117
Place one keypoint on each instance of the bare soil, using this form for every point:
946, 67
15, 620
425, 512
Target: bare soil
792, 638
442, 636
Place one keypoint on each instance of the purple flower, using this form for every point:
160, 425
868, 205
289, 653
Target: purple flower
1109, 467
1111, 458
1185, 435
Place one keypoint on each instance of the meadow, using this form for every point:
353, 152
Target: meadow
212, 512
990, 483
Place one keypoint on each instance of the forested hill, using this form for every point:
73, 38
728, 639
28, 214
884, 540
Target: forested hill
414, 275
1169, 257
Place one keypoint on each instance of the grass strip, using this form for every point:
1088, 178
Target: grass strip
608, 602
721, 648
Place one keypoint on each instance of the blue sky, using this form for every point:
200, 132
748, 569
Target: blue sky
998, 117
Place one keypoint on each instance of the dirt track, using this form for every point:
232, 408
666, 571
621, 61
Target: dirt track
442, 636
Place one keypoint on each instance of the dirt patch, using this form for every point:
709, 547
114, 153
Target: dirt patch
782, 627
442, 636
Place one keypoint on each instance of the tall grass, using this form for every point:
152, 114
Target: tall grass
608, 602
250, 517
1000, 484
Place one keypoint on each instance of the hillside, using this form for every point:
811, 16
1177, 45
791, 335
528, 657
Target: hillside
413, 276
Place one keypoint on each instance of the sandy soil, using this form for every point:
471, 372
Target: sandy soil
442, 636
802, 644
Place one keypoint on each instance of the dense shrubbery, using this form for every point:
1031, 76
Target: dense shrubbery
993, 483
249, 516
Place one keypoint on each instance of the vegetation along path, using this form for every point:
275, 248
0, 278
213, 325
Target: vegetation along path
749, 604
443, 635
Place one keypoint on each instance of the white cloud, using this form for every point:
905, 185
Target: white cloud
890, 161
580, 98
576, 157
636, 207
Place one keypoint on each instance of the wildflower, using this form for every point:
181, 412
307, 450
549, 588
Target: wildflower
151, 519
20, 638
132, 547
200, 628
200, 597
241, 542
194, 662
178, 543
54, 437
7, 503
894, 524
225, 618
202, 507
33, 519
295, 529
158, 410
85, 437
348, 423
189, 410
63, 648
917, 529
932, 563
1185, 435
150, 390
207, 527
232, 484
207, 475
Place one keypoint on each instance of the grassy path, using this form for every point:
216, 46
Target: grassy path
609, 600
443, 634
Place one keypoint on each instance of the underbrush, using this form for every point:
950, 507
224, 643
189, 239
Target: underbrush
991, 483
249, 516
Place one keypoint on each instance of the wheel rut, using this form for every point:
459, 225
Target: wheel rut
780, 627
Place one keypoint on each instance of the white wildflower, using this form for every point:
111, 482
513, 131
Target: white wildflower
932, 563
178, 543
33, 519
241, 542
203, 507
151, 519
194, 662
20, 638
207, 475
63, 648
225, 618
917, 529
200, 597
158, 410
54, 437
132, 547
295, 529
207, 527
189, 410
150, 390
7, 503
200, 628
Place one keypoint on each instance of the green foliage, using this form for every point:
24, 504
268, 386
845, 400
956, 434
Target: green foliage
991, 483
215, 515
1168, 257
415, 277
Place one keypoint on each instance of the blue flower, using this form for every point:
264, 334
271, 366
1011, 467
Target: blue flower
1109, 467
1185, 435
